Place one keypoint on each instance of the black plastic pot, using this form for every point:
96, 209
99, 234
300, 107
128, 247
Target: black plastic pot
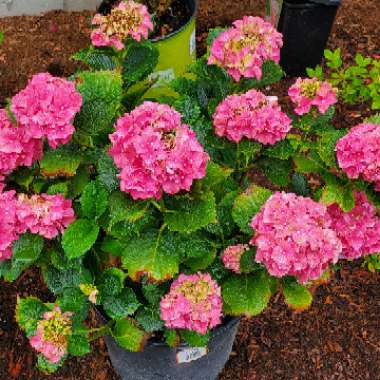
305, 26
159, 361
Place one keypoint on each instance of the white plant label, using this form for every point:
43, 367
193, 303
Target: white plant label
163, 77
193, 43
190, 354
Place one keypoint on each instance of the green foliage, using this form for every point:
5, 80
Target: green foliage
111, 282
271, 73
277, 171
195, 339
247, 294
1, 37
171, 337
297, 296
372, 262
121, 305
28, 312
79, 237
78, 344
149, 318
46, 366
63, 161
97, 59
128, 335
247, 205
94, 200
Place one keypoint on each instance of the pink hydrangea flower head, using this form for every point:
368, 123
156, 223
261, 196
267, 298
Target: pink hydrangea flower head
51, 338
358, 153
126, 19
8, 224
306, 93
193, 303
358, 229
293, 236
252, 115
242, 49
44, 214
231, 256
47, 107
155, 152
17, 147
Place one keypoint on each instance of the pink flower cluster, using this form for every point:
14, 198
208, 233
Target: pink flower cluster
193, 303
126, 19
51, 335
242, 49
155, 152
358, 230
306, 93
293, 236
42, 214
17, 146
47, 107
358, 153
231, 256
46, 215
252, 115
8, 224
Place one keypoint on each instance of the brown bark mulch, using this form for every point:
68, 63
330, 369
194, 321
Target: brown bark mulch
337, 339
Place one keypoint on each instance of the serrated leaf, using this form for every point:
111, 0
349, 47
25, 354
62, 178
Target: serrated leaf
188, 108
154, 254
59, 188
111, 282
140, 61
300, 185
278, 171
247, 261
153, 292
248, 151
246, 294
247, 205
79, 237
128, 335
172, 338
73, 300
28, 312
326, 146
297, 296
112, 246
78, 345
190, 214
282, 150
94, 200
149, 319
107, 171
27, 249
195, 339
271, 73
121, 305
79, 182
95, 58
102, 93
46, 366
307, 165
64, 161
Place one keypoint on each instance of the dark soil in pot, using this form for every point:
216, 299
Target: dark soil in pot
177, 15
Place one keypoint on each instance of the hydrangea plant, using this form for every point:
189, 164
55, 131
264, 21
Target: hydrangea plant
171, 215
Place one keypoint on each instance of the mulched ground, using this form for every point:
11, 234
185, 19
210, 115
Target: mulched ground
337, 339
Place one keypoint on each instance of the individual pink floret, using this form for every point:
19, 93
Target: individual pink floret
46, 215
17, 147
252, 115
155, 152
8, 224
231, 256
242, 49
293, 236
126, 19
51, 338
358, 153
47, 107
306, 93
358, 229
193, 303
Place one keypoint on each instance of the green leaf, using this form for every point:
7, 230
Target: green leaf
247, 151
121, 305
247, 205
1, 38
154, 254
112, 246
282, 150
64, 161
149, 319
271, 73
79, 182
215, 175
102, 93
46, 366
247, 261
79, 237
195, 339
95, 58
29, 311
94, 200
188, 108
73, 300
128, 335
297, 296
59, 188
212, 34
335, 192
78, 344
189, 214
27, 249
107, 171
307, 165
141, 60
278, 171
153, 292
246, 294
111, 282
326, 146
172, 338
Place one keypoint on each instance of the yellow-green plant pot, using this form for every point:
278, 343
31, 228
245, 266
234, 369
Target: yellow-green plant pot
177, 51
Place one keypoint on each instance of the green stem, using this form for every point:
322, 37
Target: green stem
99, 332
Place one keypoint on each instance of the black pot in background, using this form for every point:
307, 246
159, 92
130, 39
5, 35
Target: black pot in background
305, 26
158, 361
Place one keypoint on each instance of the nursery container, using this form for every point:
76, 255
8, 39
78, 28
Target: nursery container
305, 26
158, 361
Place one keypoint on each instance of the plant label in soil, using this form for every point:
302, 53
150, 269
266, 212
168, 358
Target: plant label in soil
162, 77
190, 354
193, 43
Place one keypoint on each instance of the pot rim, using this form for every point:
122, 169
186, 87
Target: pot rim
310, 4
229, 322
193, 3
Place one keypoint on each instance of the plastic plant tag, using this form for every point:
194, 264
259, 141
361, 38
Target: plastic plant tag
188, 355
273, 11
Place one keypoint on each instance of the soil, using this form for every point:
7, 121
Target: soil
337, 339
